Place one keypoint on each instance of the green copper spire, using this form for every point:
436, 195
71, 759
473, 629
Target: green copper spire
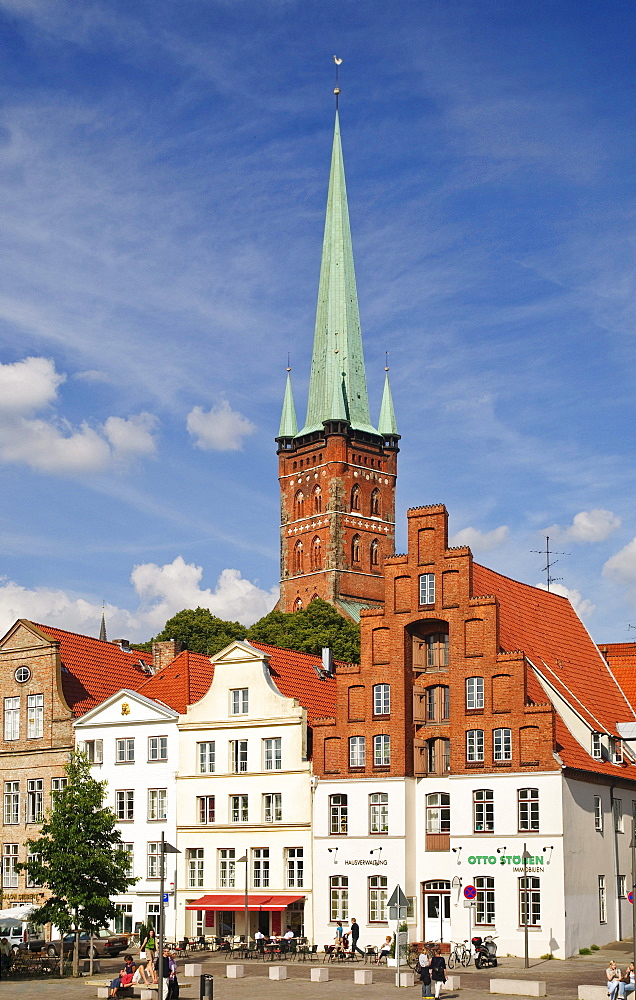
338, 385
387, 425
288, 423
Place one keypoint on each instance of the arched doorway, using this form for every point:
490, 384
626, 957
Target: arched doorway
437, 911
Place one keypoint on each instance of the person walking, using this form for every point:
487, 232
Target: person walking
424, 968
149, 946
438, 971
355, 934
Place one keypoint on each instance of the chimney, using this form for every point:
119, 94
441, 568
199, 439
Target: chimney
164, 652
123, 644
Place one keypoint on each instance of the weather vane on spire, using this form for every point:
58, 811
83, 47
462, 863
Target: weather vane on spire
386, 361
288, 364
336, 89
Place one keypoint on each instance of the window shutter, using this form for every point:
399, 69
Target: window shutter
99, 751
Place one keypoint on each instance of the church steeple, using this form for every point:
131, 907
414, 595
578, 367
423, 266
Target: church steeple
288, 423
387, 424
102, 628
338, 383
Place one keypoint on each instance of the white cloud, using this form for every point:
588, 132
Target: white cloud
28, 385
220, 429
481, 541
587, 526
621, 567
161, 591
581, 605
52, 445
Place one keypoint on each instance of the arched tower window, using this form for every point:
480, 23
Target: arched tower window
298, 604
375, 503
316, 555
299, 504
374, 554
355, 498
298, 558
317, 500
355, 549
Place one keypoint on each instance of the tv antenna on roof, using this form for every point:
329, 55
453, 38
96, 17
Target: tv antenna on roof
549, 562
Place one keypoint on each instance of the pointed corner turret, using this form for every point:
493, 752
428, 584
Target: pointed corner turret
387, 424
288, 423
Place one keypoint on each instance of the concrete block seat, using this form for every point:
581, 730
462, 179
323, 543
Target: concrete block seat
594, 992
519, 987
363, 977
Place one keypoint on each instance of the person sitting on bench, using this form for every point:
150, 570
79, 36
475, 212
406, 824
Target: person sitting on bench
125, 977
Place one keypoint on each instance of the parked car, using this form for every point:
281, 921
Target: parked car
104, 943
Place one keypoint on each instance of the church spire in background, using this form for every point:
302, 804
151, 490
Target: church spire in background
102, 628
387, 424
288, 422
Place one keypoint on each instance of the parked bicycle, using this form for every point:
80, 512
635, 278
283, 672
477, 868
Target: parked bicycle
459, 954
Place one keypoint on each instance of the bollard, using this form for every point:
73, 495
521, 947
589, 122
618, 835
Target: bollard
206, 991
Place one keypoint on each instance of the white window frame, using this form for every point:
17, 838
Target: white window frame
485, 910
295, 868
474, 693
617, 812
125, 805
475, 746
602, 900
94, 750
157, 804
153, 853
227, 867
206, 809
206, 757
12, 718
195, 859
438, 812
239, 701
483, 807
382, 750
596, 747
338, 814
502, 744
621, 886
11, 803
529, 898
381, 699
238, 756
339, 897
125, 750
528, 810
260, 867
9, 862
239, 809
35, 800
35, 716
357, 751
377, 889
598, 813
273, 754
272, 807
379, 813
157, 749
427, 588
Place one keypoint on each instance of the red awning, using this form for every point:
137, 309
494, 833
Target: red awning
237, 902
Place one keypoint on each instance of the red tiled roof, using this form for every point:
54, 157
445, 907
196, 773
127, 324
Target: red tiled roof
574, 755
181, 682
621, 657
295, 676
92, 670
548, 630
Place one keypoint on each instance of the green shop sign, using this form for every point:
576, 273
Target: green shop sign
532, 860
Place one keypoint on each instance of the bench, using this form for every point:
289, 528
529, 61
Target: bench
595, 992
519, 987
148, 992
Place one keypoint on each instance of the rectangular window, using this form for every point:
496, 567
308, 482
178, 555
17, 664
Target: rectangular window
379, 812
12, 718
381, 751
238, 756
207, 757
621, 886
125, 805
123, 923
377, 899
272, 754
529, 902
154, 853
194, 857
157, 748
273, 807
11, 802
157, 803
35, 800
125, 751
337, 814
382, 699
295, 868
339, 897
35, 716
528, 809
474, 693
205, 808
129, 849
438, 812
260, 867
485, 911
618, 815
357, 751
30, 881
227, 868
475, 745
239, 701
238, 809
483, 811
9, 862
597, 750
598, 813
427, 588
602, 900
502, 744
94, 750
57, 785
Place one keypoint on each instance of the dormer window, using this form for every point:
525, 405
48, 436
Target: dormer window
597, 752
239, 701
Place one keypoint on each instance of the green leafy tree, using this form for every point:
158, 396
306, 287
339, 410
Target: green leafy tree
199, 631
79, 857
309, 629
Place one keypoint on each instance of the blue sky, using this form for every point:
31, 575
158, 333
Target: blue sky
163, 177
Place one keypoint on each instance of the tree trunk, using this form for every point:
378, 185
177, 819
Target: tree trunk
76, 954
90, 955
61, 954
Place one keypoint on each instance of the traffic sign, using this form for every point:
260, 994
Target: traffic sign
398, 898
470, 903
470, 892
630, 896
165, 897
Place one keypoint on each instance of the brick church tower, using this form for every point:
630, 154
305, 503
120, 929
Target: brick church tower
337, 473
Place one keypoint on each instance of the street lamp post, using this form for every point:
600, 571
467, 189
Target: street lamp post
163, 850
245, 860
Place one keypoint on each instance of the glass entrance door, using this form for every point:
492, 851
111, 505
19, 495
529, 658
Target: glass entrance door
437, 911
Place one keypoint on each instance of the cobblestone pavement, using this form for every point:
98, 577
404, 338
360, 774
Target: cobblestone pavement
562, 979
